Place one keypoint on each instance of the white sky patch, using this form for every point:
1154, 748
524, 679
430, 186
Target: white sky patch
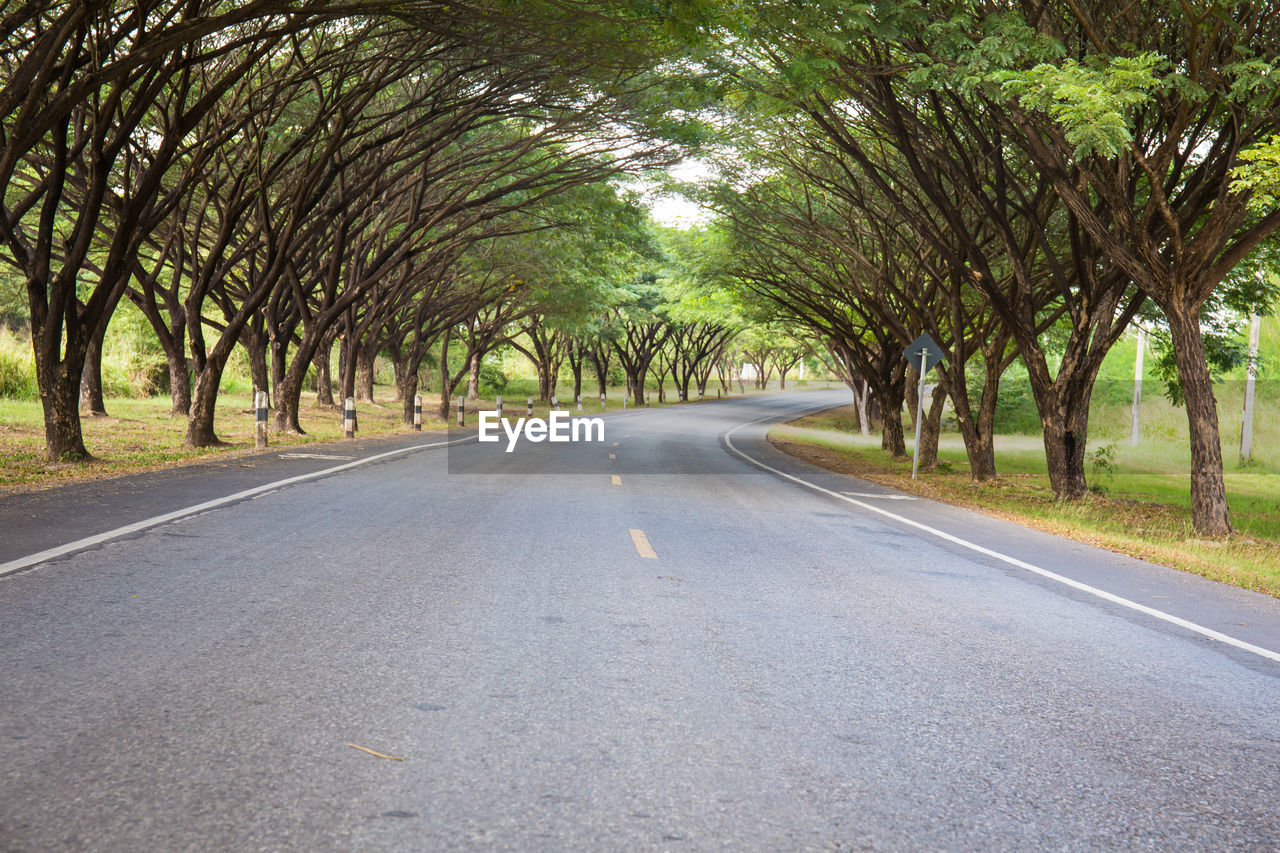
671, 209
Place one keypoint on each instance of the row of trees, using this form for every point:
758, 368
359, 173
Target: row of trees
1020, 180
627, 297
283, 175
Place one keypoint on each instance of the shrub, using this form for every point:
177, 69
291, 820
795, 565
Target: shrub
17, 368
1016, 409
492, 380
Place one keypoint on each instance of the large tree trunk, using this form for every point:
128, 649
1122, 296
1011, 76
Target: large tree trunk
602, 372
408, 387
445, 387
912, 396
1064, 447
91, 400
1209, 511
59, 384
891, 433
200, 432
931, 429
398, 367
350, 370
289, 391
279, 368
366, 357
977, 432
635, 386
473, 376
179, 384
255, 344
1063, 405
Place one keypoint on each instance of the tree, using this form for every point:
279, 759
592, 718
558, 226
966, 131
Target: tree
1140, 131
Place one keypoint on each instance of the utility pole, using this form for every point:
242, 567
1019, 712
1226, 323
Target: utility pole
1246, 428
1137, 386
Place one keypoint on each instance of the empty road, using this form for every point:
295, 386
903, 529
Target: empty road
649, 642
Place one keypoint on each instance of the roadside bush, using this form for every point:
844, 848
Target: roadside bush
17, 368
1016, 409
492, 380
129, 370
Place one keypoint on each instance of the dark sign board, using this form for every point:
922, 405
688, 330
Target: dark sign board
923, 346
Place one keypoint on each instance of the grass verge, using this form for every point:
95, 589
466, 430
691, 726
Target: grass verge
1145, 513
139, 434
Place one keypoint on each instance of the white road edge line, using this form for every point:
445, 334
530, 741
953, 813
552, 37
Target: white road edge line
1013, 561
97, 539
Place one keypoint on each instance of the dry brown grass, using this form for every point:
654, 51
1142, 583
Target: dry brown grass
141, 435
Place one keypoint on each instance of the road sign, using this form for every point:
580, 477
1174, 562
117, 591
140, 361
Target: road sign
924, 354
925, 351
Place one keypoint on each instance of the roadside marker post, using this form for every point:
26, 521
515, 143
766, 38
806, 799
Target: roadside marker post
555, 404
646, 398
924, 351
260, 418
529, 407
497, 404
462, 411
602, 401
417, 413
579, 402
349, 417
624, 403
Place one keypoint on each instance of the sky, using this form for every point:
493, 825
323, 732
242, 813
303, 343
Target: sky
675, 211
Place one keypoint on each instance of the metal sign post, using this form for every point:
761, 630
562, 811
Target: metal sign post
915, 459
924, 351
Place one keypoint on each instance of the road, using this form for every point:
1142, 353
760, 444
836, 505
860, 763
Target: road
670, 649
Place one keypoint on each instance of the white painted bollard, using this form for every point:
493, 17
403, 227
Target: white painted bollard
646, 398
462, 411
349, 417
555, 404
417, 412
260, 418
579, 402
528, 405
625, 400
602, 401
498, 405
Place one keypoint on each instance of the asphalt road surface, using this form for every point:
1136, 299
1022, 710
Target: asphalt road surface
646, 643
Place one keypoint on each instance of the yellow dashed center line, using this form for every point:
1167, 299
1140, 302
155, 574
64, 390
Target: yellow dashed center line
643, 548
617, 480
